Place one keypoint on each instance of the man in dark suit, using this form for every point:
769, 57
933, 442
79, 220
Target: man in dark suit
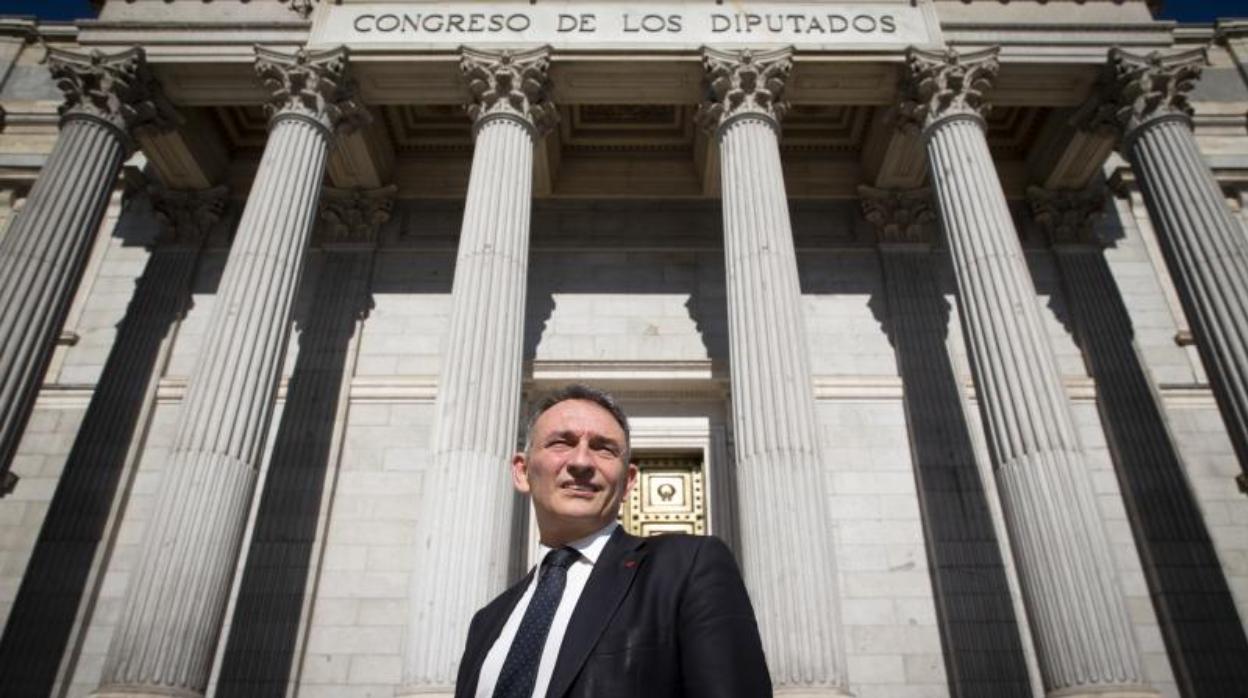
607, 614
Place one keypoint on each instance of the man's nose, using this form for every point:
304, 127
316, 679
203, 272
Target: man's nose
581, 458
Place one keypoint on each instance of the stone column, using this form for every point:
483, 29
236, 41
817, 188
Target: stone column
787, 554
1202, 242
108, 99
1083, 636
170, 621
476, 416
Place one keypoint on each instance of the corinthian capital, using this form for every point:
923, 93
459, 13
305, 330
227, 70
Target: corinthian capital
944, 84
899, 216
117, 89
744, 82
1067, 216
1135, 90
311, 85
510, 85
354, 216
187, 216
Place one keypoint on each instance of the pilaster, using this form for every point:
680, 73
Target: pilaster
980, 635
108, 97
171, 617
476, 415
1083, 636
1203, 244
1186, 583
901, 217
353, 217
66, 562
1068, 217
779, 465
268, 631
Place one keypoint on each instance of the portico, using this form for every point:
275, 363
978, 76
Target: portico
533, 182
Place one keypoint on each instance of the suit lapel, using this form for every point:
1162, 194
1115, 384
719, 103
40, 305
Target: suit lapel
492, 627
605, 589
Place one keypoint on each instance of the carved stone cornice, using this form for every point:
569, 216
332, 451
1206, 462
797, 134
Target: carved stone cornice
311, 85
512, 85
899, 216
1068, 216
353, 217
740, 83
187, 217
116, 89
1135, 90
941, 85
303, 8
1228, 30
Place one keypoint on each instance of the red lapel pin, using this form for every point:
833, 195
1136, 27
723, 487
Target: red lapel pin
630, 563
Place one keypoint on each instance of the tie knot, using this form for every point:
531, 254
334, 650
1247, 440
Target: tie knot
561, 558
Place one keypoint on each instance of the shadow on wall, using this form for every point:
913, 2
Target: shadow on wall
1203, 633
597, 254
263, 636
980, 634
41, 623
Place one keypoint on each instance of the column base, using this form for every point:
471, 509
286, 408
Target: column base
424, 692
811, 692
1106, 692
143, 692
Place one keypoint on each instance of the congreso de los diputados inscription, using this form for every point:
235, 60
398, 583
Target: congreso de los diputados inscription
934, 311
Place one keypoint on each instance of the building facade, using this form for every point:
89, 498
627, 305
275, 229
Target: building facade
935, 310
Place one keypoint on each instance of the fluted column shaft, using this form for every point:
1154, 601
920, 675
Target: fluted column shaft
980, 634
1207, 254
465, 513
172, 613
779, 463
1143, 98
1083, 636
1074, 601
41, 261
43, 253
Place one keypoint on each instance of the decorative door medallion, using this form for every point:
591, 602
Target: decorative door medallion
669, 496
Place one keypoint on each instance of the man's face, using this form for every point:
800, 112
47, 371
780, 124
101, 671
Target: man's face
575, 470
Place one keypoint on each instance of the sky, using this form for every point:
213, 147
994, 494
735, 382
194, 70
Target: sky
1182, 10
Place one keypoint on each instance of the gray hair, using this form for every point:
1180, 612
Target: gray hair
579, 391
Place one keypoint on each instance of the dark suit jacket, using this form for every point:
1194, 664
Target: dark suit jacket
663, 616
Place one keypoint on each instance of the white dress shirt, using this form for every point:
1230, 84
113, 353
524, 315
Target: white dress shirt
590, 547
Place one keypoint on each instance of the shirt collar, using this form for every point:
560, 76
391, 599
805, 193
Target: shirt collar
590, 547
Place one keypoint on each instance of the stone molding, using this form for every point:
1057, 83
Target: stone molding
940, 85
1228, 30
303, 8
741, 83
899, 216
1136, 90
1068, 216
117, 89
507, 84
312, 85
353, 217
187, 217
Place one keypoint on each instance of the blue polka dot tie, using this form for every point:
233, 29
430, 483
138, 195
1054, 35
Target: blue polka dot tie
520, 668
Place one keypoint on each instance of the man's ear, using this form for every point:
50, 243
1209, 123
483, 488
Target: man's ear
520, 473
633, 471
